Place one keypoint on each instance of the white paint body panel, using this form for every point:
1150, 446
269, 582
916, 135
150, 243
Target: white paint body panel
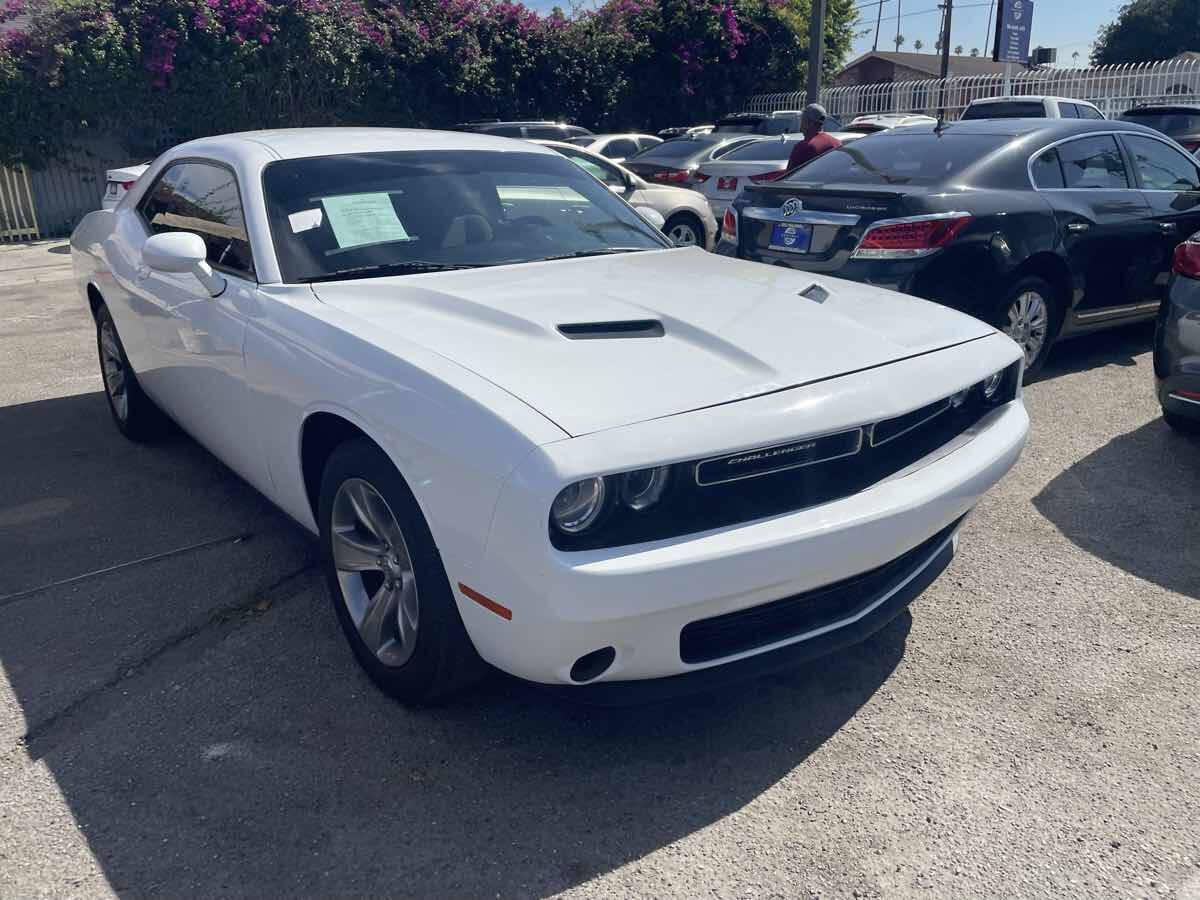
487, 411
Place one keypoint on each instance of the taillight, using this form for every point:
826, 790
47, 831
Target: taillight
768, 176
727, 183
729, 224
675, 176
126, 185
914, 236
1186, 261
1190, 146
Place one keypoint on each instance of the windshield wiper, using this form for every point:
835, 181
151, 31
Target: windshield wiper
411, 267
598, 251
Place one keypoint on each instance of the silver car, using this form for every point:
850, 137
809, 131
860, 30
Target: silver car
687, 219
617, 147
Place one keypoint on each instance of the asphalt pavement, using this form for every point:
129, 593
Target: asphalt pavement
180, 716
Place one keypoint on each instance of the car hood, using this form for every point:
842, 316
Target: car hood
570, 337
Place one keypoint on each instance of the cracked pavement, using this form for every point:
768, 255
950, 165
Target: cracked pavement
185, 719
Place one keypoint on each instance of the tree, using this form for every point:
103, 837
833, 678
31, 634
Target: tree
958, 49
974, 51
898, 39
1075, 57
918, 44
937, 46
1146, 30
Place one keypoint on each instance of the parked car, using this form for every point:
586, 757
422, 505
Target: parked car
617, 147
1030, 107
783, 121
885, 121
1045, 228
753, 163
523, 426
1177, 341
687, 220
550, 131
1179, 122
117, 183
677, 161
682, 130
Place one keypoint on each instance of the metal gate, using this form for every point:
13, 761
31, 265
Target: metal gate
18, 221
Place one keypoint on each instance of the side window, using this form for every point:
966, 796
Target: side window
1093, 162
202, 198
1068, 110
1047, 173
620, 148
1089, 112
1160, 166
647, 142
607, 174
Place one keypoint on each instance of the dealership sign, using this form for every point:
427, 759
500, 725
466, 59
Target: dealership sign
1013, 24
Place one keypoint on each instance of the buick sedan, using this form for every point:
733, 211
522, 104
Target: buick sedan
527, 430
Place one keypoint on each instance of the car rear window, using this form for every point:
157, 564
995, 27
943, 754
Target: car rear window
771, 149
679, 148
1167, 121
891, 158
1008, 109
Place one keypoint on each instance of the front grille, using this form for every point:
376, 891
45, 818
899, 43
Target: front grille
758, 626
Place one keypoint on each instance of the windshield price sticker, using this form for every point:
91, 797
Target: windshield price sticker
360, 219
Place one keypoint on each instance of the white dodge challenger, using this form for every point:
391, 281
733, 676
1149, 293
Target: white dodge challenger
527, 429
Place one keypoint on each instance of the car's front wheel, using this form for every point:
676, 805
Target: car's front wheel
684, 230
388, 585
1030, 316
133, 412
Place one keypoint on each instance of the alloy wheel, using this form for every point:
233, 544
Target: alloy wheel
375, 572
1028, 324
113, 365
683, 235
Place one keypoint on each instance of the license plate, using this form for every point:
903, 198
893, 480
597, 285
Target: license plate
793, 238
727, 183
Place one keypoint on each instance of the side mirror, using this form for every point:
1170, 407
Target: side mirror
182, 251
652, 215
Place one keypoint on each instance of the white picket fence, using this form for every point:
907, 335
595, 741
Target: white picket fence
1113, 89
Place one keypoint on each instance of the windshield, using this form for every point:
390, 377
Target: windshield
679, 148
1168, 121
891, 158
396, 212
770, 149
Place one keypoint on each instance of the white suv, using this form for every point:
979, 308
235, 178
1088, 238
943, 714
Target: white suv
1031, 107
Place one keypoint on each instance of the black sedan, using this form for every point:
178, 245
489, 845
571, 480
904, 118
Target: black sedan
1182, 123
675, 161
1043, 227
1177, 342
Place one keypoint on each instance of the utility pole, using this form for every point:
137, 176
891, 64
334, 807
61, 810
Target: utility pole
816, 47
948, 7
897, 24
878, 19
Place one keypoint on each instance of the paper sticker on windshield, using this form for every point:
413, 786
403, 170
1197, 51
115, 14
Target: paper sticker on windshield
305, 220
358, 219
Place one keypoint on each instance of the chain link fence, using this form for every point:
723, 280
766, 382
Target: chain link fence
1113, 89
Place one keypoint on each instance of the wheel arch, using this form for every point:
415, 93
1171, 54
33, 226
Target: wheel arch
94, 298
322, 432
1054, 271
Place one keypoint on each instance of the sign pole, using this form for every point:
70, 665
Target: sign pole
1007, 79
816, 44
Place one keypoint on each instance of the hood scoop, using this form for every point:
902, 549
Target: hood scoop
603, 331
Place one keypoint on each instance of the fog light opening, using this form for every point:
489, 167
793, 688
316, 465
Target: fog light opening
592, 665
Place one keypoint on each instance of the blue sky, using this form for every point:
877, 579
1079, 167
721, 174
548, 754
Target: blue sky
1069, 25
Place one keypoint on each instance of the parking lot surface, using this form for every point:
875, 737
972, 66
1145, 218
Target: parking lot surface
180, 715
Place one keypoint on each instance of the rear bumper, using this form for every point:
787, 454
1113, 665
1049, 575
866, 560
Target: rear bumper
892, 274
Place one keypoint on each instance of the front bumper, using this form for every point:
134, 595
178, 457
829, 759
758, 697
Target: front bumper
639, 599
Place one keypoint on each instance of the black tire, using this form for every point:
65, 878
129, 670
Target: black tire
136, 415
1181, 424
685, 222
1054, 317
444, 659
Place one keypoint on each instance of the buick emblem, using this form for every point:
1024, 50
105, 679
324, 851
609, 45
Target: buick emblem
791, 206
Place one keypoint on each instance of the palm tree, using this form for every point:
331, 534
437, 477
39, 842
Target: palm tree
899, 39
958, 50
1075, 57
918, 44
974, 51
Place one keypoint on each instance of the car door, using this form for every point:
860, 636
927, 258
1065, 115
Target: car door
1104, 227
197, 368
1170, 182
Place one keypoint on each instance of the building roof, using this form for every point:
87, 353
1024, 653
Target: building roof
932, 63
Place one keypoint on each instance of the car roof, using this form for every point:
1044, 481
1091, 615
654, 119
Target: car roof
1163, 108
295, 143
980, 101
1053, 129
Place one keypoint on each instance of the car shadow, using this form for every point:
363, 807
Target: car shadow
1116, 346
208, 729
1135, 503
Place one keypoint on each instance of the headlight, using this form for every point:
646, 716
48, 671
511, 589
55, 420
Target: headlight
644, 487
991, 384
579, 505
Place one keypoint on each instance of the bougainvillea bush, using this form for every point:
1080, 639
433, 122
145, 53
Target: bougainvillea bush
149, 73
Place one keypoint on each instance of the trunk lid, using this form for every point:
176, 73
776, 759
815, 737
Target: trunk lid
607, 341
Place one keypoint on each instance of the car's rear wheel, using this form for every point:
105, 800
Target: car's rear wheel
1030, 315
386, 579
133, 412
684, 230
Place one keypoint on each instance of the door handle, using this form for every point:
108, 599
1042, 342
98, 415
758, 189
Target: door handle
1167, 227
1078, 226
